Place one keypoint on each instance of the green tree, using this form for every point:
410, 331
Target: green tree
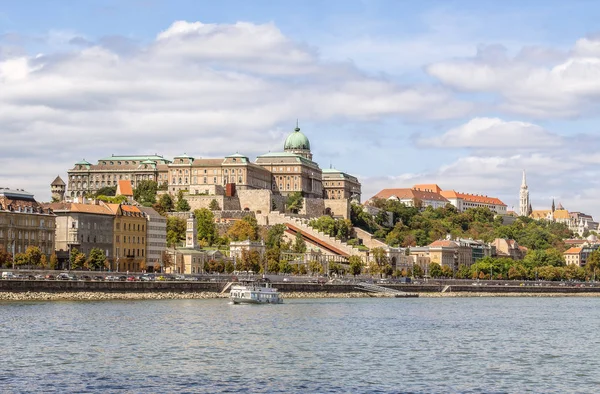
182, 204
96, 259
165, 204
435, 270
299, 244
207, 228
214, 205
145, 192
275, 236
108, 191
315, 267
176, 228
295, 202
356, 265
592, 263
285, 267
273, 266
229, 267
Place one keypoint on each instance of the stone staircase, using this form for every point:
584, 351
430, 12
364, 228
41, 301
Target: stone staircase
368, 239
302, 224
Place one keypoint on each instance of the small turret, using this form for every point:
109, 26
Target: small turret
58, 188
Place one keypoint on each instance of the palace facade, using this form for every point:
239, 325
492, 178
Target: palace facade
289, 171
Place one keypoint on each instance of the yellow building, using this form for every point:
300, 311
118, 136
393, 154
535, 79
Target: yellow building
450, 253
129, 246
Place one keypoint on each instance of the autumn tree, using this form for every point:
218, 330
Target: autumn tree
33, 254
241, 231
5, 258
53, 263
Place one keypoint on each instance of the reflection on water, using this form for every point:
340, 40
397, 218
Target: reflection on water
304, 346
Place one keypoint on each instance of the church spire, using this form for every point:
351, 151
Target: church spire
524, 203
553, 206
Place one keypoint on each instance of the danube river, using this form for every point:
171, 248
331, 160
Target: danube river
477, 345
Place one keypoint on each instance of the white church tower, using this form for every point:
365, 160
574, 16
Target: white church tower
524, 198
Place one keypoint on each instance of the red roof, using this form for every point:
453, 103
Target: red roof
573, 251
472, 197
409, 194
124, 188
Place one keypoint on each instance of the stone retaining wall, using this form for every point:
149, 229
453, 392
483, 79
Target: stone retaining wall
57, 286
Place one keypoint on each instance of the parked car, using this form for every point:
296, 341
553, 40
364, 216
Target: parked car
62, 276
131, 279
98, 278
50, 277
8, 275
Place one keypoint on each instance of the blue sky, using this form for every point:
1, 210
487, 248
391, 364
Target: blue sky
461, 93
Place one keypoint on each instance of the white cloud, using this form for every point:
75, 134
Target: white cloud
494, 133
539, 83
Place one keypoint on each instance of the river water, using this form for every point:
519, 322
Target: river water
427, 345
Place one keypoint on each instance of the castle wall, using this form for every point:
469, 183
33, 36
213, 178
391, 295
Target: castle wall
313, 207
338, 207
259, 201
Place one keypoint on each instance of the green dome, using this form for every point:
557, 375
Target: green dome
296, 140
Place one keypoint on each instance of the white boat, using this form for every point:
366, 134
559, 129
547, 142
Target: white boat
254, 292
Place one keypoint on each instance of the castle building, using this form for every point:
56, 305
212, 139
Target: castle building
85, 177
279, 173
24, 222
339, 185
524, 203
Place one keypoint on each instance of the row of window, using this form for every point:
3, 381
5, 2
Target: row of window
128, 239
130, 252
128, 227
27, 235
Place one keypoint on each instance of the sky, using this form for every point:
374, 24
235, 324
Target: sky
465, 94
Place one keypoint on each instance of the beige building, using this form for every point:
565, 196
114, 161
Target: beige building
84, 227
573, 256
413, 197
129, 242
24, 222
86, 178
211, 176
509, 248
236, 248
450, 253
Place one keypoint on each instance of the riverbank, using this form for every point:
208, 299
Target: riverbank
101, 296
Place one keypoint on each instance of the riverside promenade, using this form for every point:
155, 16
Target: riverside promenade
68, 289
